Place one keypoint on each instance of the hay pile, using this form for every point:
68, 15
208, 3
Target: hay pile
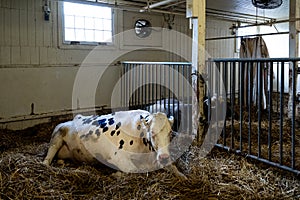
218, 176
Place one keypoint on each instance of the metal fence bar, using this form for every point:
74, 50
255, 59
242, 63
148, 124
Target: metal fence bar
250, 93
281, 113
270, 99
259, 86
294, 76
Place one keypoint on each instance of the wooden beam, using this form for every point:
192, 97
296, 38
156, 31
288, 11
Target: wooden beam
293, 39
196, 11
293, 53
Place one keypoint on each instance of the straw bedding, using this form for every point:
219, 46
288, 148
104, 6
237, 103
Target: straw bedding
219, 175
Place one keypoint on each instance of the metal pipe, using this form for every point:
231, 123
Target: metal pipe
236, 14
123, 5
174, 4
154, 5
279, 166
254, 35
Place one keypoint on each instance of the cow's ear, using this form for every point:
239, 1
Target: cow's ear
171, 120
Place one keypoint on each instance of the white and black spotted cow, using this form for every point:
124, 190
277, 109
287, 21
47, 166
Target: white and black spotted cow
130, 141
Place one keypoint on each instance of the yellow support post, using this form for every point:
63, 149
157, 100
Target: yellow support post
196, 12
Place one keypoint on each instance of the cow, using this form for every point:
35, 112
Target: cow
130, 141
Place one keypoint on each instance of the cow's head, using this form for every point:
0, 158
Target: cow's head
160, 135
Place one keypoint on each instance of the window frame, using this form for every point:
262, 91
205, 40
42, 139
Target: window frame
63, 44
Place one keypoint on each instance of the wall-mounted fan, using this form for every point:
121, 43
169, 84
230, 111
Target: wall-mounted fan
267, 4
142, 28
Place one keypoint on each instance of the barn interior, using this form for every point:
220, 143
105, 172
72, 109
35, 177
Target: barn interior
55, 63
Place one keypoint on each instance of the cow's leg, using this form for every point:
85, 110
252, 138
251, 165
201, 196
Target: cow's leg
173, 169
56, 143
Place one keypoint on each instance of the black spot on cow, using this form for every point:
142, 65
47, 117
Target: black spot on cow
145, 141
95, 123
141, 117
142, 134
118, 133
90, 132
111, 121
118, 125
102, 122
103, 125
139, 127
87, 121
79, 117
112, 132
105, 129
97, 132
131, 142
82, 136
115, 153
121, 144
152, 148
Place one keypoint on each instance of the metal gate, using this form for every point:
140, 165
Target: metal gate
262, 119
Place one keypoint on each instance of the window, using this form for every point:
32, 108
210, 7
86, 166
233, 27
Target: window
87, 24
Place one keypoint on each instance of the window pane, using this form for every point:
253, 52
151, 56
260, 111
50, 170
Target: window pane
107, 25
99, 36
89, 35
79, 22
89, 23
69, 21
79, 34
69, 34
107, 36
98, 24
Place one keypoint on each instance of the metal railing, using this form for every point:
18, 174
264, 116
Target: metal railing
263, 121
159, 86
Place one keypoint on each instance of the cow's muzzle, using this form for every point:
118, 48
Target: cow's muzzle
164, 159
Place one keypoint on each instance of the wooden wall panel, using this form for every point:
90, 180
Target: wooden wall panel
2, 26
7, 27
23, 28
15, 27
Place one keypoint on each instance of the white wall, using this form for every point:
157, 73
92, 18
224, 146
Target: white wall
224, 48
35, 67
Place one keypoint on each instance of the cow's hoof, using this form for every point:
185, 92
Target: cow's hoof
117, 175
61, 162
46, 162
181, 176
